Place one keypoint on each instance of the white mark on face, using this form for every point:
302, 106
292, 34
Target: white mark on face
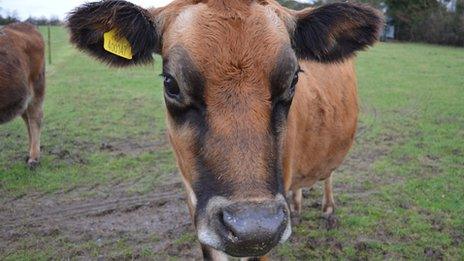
205, 232
207, 236
184, 20
288, 230
191, 195
287, 233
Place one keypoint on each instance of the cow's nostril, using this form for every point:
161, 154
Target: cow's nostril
227, 219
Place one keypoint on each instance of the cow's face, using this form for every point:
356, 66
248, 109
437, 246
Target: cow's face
229, 82
230, 69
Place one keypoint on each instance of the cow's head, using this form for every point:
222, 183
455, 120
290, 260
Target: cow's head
230, 70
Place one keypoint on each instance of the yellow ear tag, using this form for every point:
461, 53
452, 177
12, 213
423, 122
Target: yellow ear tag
117, 45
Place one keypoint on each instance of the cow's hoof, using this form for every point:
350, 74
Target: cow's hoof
296, 218
331, 222
327, 211
32, 163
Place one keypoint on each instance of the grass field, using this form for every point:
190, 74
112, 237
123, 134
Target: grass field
108, 186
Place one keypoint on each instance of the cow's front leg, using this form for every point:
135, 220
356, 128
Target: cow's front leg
295, 205
33, 118
26, 121
212, 254
328, 204
297, 197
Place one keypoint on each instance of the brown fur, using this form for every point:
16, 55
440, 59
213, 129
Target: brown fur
22, 80
321, 123
233, 62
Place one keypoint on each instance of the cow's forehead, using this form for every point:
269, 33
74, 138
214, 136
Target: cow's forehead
246, 42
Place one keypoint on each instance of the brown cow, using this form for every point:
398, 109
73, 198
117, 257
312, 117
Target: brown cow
22, 80
261, 100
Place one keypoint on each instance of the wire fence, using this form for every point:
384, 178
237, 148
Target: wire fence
56, 42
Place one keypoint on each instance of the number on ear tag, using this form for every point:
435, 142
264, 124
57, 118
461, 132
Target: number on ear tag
117, 45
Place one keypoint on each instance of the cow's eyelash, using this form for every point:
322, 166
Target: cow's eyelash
165, 75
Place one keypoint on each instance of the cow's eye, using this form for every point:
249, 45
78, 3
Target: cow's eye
294, 82
291, 90
170, 87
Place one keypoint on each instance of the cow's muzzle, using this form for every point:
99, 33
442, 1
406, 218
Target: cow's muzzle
245, 228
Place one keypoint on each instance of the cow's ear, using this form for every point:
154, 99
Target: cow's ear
335, 32
128, 24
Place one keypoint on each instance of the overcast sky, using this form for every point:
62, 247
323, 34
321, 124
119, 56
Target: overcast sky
48, 8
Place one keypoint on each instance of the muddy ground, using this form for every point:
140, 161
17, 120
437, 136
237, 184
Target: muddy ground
81, 220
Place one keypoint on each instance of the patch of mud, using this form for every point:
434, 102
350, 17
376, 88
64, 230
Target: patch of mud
119, 147
433, 254
331, 222
153, 220
76, 152
64, 155
132, 146
75, 221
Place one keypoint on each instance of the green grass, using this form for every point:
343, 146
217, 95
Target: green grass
400, 196
88, 104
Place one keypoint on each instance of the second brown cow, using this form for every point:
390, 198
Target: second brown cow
22, 80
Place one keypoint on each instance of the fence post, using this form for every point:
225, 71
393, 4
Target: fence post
49, 45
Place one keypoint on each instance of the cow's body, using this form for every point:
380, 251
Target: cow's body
321, 124
22, 80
